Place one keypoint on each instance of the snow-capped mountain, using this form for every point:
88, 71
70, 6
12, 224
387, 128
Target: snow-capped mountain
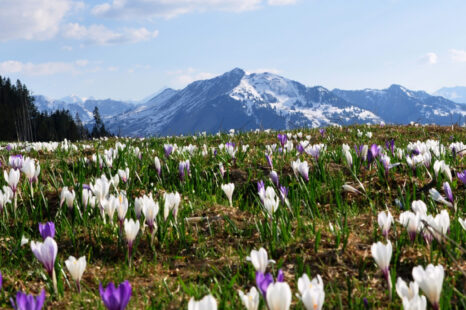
82, 106
241, 101
456, 94
399, 105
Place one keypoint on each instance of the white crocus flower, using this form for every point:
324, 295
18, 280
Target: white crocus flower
172, 202
279, 296
412, 223
382, 255
206, 303
430, 280
385, 220
124, 174
405, 291
415, 303
12, 179
313, 298
250, 300
435, 195
228, 190
260, 260
76, 268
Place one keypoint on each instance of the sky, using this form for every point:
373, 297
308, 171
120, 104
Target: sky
130, 49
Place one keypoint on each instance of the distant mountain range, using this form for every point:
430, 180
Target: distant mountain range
244, 101
456, 94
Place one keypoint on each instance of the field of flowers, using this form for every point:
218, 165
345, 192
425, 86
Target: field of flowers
363, 217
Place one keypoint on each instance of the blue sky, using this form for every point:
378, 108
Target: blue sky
131, 49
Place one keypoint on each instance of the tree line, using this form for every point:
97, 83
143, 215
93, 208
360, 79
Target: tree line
21, 121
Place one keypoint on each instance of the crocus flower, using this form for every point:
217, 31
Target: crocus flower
430, 280
284, 194
390, 145
382, 255
131, 231
158, 166
250, 300
435, 195
259, 259
415, 303
46, 253
385, 220
28, 302
269, 160
274, 178
270, 201
115, 298
121, 203
448, 192
263, 281
76, 268
124, 174
222, 169
47, 230
462, 176
67, 196
29, 169
1, 280
206, 303
462, 222
312, 292
228, 190
302, 168
184, 169
348, 157
279, 296
282, 138
150, 209
419, 207
16, 161
168, 148
412, 223
12, 179
172, 202
405, 291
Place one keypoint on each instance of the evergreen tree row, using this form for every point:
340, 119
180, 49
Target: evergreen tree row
21, 121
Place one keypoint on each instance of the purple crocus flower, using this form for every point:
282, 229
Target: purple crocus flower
282, 138
283, 193
373, 153
462, 176
358, 150
280, 276
260, 186
263, 281
415, 152
16, 161
46, 253
28, 302
230, 144
47, 230
115, 298
86, 186
269, 161
274, 178
1, 280
168, 148
184, 169
322, 132
390, 145
8, 147
448, 192
300, 148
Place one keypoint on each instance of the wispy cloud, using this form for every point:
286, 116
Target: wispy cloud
189, 75
101, 35
429, 58
170, 8
458, 55
46, 68
32, 19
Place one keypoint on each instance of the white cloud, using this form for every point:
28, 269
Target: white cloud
101, 35
32, 19
187, 76
46, 68
125, 9
429, 58
458, 55
281, 2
